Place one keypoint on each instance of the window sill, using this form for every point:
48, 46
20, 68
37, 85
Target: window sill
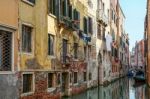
52, 15
27, 53
27, 2
51, 56
26, 94
75, 59
75, 84
6, 72
50, 89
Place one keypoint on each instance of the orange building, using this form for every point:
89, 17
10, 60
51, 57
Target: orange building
8, 49
147, 42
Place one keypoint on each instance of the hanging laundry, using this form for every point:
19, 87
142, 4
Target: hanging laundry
108, 42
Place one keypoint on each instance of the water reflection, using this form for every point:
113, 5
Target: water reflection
121, 89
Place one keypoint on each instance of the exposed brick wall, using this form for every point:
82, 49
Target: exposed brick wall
78, 89
41, 88
44, 95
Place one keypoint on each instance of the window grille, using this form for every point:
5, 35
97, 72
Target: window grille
5, 50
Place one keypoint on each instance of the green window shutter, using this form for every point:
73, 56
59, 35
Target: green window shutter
50, 6
65, 7
85, 25
78, 18
74, 13
70, 11
54, 8
57, 8
90, 25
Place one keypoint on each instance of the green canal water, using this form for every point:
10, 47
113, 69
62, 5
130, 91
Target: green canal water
124, 88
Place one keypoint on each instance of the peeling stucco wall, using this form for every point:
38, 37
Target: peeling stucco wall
9, 87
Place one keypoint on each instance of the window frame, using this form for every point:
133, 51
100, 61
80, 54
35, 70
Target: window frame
52, 9
49, 47
85, 25
28, 2
84, 76
64, 59
12, 30
90, 25
33, 84
52, 80
75, 82
76, 45
32, 44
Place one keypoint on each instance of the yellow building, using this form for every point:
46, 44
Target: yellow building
53, 47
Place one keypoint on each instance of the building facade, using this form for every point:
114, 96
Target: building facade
139, 55
9, 49
55, 48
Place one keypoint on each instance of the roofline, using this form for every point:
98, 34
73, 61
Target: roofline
122, 10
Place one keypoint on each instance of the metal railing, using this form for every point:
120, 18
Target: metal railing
69, 22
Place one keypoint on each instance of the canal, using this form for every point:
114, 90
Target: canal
121, 89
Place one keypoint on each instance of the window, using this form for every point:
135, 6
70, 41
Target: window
32, 1
50, 80
85, 25
103, 7
64, 7
5, 50
50, 44
90, 76
75, 50
104, 39
112, 15
84, 75
65, 46
90, 25
58, 79
112, 50
104, 54
70, 77
70, 12
76, 17
75, 77
104, 73
99, 31
108, 14
26, 38
89, 51
114, 19
27, 83
29, 1
52, 8
116, 53
85, 52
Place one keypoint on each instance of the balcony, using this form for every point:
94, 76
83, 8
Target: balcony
101, 17
70, 24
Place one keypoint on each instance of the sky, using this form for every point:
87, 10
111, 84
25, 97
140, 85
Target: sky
135, 11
